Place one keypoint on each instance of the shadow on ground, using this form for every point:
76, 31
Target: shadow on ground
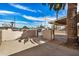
62, 38
48, 49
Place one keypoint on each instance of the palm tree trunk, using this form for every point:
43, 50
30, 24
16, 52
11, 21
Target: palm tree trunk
53, 31
72, 24
56, 18
57, 15
54, 26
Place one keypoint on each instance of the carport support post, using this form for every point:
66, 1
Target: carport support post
53, 32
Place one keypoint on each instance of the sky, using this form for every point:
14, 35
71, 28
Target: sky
28, 14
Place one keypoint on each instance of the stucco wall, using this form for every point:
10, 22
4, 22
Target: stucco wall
47, 34
10, 35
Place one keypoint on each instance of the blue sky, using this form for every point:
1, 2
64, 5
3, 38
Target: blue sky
27, 14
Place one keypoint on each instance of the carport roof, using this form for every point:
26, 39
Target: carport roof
62, 20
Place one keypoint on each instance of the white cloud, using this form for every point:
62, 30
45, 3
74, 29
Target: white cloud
22, 22
4, 20
40, 11
8, 21
7, 12
25, 8
22, 7
51, 18
17, 23
44, 19
34, 18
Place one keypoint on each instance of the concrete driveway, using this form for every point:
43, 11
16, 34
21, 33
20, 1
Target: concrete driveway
13, 46
48, 49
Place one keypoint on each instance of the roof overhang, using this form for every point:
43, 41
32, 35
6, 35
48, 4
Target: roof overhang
62, 20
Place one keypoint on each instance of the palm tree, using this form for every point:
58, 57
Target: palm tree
72, 24
57, 7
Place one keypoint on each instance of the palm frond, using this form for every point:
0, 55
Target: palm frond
44, 4
63, 6
51, 5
